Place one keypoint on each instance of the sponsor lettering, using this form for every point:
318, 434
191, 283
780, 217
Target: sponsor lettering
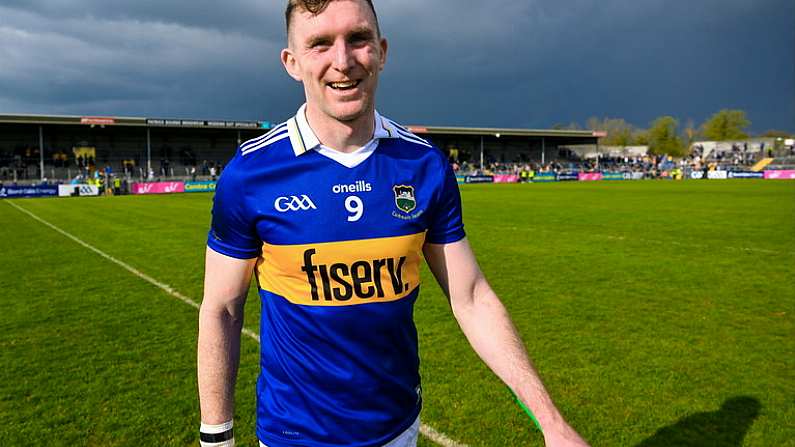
97, 120
158, 187
746, 174
589, 176
358, 186
199, 186
360, 279
780, 174
29, 191
565, 176
546, 177
294, 203
344, 273
479, 179
77, 190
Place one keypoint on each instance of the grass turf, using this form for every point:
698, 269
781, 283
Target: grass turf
658, 313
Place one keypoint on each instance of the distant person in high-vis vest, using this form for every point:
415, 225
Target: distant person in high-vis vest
334, 210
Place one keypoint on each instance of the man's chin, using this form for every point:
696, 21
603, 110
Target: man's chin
349, 114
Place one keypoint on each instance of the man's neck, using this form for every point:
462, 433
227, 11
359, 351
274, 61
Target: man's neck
342, 136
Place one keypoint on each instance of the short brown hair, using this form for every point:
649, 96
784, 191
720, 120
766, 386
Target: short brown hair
315, 7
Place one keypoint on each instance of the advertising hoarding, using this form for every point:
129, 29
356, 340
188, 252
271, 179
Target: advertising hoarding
746, 174
77, 190
28, 191
545, 177
780, 175
158, 188
479, 179
613, 176
568, 176
504, 178
199, 186
589, 176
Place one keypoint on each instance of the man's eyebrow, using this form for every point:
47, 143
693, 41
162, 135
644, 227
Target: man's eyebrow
323, 39
318, 39
362, 31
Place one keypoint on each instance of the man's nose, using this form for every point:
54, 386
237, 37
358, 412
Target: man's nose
343, 56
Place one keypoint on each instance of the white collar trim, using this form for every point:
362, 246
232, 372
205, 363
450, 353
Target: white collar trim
304, 139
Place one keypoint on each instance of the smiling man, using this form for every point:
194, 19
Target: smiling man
334, 211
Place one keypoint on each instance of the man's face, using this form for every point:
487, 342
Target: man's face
338, 55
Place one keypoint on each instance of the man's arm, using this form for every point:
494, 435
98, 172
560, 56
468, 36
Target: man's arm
489, 329
226, 282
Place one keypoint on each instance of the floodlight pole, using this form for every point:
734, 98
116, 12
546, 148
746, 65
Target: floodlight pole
41, 152
481, 152
148, 152
543, 151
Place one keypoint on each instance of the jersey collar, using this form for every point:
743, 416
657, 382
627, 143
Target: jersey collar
303, 138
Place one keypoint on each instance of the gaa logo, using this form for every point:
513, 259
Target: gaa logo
293, 203
404, 198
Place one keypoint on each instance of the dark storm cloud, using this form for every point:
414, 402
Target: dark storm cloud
498, 63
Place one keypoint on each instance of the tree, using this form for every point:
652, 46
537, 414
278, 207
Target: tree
619, 132
690, 133
772, 133
726, 125
664, 138
640, 137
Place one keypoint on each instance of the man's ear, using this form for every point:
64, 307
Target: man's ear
384, 47
290, 64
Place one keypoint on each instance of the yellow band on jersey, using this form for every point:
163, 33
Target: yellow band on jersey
342, 273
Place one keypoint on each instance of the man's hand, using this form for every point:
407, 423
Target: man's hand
563, 436
489, 329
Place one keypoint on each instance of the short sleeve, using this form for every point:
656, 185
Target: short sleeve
232, 231
447, 224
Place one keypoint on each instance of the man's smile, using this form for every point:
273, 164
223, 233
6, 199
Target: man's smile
344, 85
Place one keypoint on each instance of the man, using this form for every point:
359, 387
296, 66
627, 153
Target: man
333, 211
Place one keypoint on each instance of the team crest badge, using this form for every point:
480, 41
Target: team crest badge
404, 198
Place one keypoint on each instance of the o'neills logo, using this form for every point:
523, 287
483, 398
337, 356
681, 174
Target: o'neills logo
362, 279
358, 186
343, 273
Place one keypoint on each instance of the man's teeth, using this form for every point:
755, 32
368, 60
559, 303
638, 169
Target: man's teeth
343, 85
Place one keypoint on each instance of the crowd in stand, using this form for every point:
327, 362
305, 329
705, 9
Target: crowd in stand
651, 166
25, 165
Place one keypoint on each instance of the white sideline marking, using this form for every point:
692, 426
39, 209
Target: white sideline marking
427, 431
438, 437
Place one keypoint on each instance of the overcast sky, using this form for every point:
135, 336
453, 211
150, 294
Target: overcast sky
451, 62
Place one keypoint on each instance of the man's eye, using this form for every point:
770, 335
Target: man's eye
360, 38
318, 45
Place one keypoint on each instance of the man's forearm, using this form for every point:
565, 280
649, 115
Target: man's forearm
489, 329
218, 358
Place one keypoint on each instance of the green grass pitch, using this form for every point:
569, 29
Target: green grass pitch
658, 314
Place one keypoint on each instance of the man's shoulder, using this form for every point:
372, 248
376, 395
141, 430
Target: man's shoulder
267, 143
257, 155
406, 138
401, 132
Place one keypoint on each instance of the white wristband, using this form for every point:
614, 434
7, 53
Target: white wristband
220, 435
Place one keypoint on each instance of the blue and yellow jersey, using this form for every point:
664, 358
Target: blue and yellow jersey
338, 240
